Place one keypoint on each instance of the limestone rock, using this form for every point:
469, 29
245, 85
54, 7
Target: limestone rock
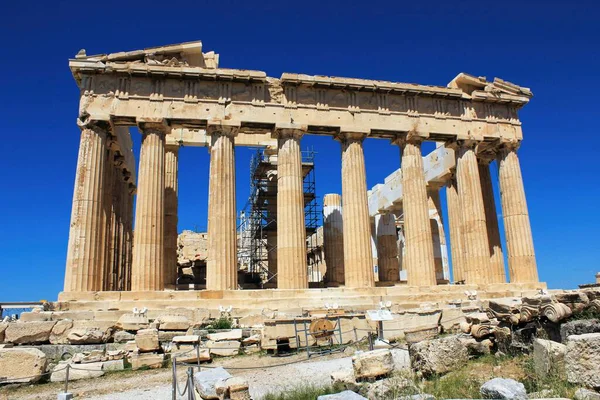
147, 340
123, 337
113, 365
35, 332
474, 347
224, 348
254, 339
438, 356
500, 388
173, 323
345, 395
76, 372
132, 322
148, 360
235, 388
579, 327
234, 334
417, 335
186, 339
344, 378
549, 356
3, 326
582, 359
187, 353
388, 388
451, 319
401, 359
167, 336
585, 394
370, 364
577, 301
86, 336
205, 381
22, 365
59, 331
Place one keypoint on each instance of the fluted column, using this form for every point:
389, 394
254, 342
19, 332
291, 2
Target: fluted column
272, 221
85, 249
358, 253
291, 230
476, 248
438, 236
147, 270
333, 238
519, 241
128, 223
221, 265
497, 274
171, 205
455, 228
419, 262
387, 248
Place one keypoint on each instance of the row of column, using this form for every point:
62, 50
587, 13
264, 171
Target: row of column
99, 254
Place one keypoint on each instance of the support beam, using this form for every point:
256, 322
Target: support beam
358, 254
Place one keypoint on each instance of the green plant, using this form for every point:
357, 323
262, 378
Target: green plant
304, 392
221, 323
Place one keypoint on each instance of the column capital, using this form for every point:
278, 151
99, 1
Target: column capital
289, 130
94, 122
222, 128
174, 147
510, 145
153, 125
351, 135
408, 137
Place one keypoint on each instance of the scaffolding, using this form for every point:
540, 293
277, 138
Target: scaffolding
258, 220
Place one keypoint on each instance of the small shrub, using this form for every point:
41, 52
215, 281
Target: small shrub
306, 392
221, 323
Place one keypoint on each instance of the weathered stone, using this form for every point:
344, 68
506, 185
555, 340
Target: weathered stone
22, 365
224, 348
76, 371
371, 364
167, 336
579, 327
235, 388
252, 320
115, 354
205, 381
234, 334
582, 359
148, 360
254, 339
188, 353
147, 340
451, 319
89, 357
113, 365
438, 356
186, 339
173, 323
585, 394
476, 348
29, 332
86, 336
35, 316
60, 331
549, 357
417, 335
345, 395
132, 322
401, 359
344, 378
3, 326
500, 388
123, 337
577, 301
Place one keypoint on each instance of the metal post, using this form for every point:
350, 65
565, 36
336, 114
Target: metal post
380, 330
306, 338
174, 383
190, 386
355, 336
67, 379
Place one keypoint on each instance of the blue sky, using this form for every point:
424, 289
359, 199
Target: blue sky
549, 46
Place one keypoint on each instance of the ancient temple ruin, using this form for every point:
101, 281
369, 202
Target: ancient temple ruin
177, 95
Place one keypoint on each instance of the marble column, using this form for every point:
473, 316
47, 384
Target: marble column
171, 204
291, 231
387, 248
333, 238
272, 223
221, 265
440, 250
476, 247
147, 269
358, 253
85, 249
131, 189
498, 274
519, 241
418, 262
455, 228
107, 217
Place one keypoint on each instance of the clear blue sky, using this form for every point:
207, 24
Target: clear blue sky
550, 46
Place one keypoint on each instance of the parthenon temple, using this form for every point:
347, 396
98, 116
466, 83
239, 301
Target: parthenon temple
387, 241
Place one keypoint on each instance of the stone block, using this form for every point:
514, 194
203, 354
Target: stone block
254, 339
344, 378
59, 331
371, 364
167, 336
414, 319
173, 323
132, 322
579, 327
474, 347
582, 360
438, 356
148, 360
113, 365
115, 354
29, 332
89, 357
235, 388
147, 340
3, 326
401, 359
252, 320
187, 353
451, 319
345, 395
577, 301
22, 365
123, 337
64, 396
86, 336
205, 381
76, 371
500, 388
416, 335
234, 334
585, 394
225, 348
186, 339
36, 316
549, 357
